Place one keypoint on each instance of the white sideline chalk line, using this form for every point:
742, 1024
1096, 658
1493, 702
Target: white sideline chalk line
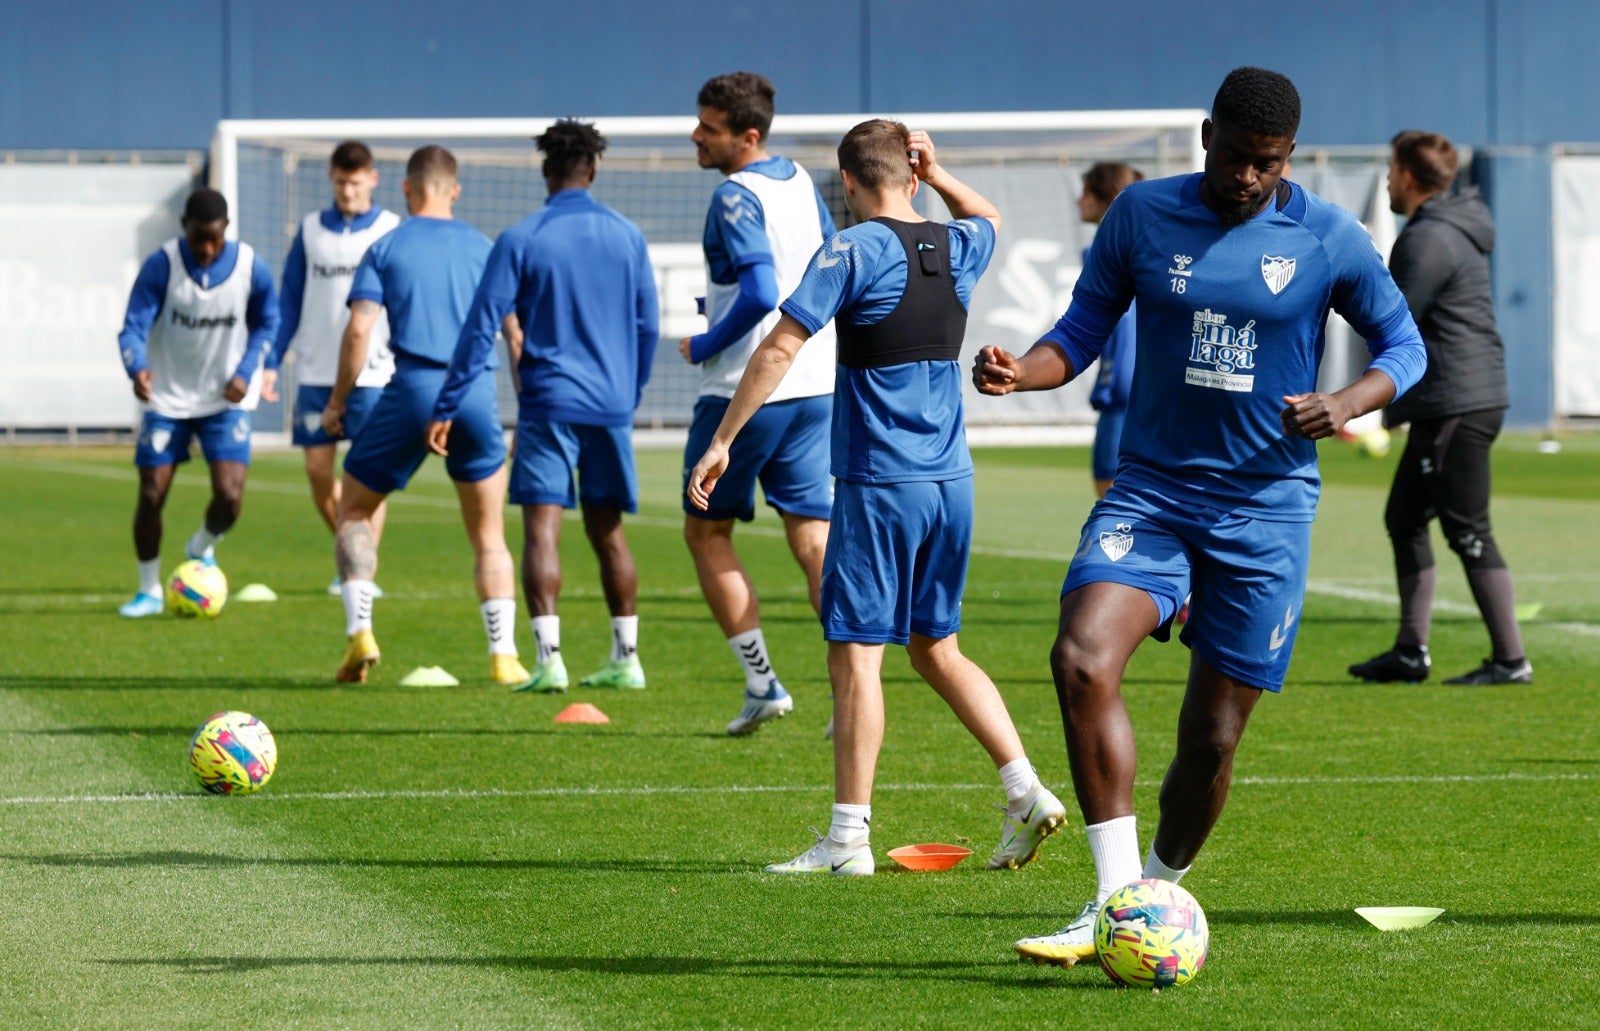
1330, 589
759, 789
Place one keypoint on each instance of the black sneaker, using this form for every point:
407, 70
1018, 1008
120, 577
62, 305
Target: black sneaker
1492, 672
1394, 664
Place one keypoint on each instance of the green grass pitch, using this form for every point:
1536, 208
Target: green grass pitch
429, 857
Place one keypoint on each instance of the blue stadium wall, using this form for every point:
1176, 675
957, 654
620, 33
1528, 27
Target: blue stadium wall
1507, 78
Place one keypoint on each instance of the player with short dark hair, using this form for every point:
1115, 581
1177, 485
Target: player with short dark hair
576, 276
1114, 376
896, 287
1441, 263
424, 274
1234, 270
766, 221
201, 313
321, 263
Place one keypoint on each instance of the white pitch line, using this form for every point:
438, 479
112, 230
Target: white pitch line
759, 789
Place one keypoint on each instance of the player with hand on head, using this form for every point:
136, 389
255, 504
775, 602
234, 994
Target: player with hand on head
201, 314
316, 286
896, 288
1217, 483
766, 221
576, 276
425, 272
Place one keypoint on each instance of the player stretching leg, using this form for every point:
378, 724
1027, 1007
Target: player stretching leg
1218, 482
316, 286
765, 222
896, 287
201, 313
577, 277
425, 272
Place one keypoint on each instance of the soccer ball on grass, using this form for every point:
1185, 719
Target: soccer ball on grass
197, 589
233, 753
1151, 934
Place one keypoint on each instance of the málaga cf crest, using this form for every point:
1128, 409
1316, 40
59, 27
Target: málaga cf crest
1115, 543
1277, 272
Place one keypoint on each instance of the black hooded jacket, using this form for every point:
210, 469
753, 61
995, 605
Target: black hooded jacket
1441, 263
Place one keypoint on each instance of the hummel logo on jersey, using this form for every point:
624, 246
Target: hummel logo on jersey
1117, 543
1277, 271
837, 248
735, 205
333, 271
1180, 265
1280, 633
183, 318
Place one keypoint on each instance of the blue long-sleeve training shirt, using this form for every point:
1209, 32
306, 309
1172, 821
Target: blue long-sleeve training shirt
578, 275
149, 293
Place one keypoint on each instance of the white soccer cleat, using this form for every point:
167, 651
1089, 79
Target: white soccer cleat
1021, 833
759, 708
1068, 946
831, 857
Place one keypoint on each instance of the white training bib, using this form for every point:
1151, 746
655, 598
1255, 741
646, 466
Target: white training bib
794, 232
199, 338
331, 259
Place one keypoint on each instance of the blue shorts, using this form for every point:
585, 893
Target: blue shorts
1107, 442
549, 453
163, 440
392, 443
784, 445
897, 560
309, 403
1247, 576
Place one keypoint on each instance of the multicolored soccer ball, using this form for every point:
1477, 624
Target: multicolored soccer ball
197, 589
233, 754
1151, 934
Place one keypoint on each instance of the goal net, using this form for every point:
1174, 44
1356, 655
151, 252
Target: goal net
1030, 164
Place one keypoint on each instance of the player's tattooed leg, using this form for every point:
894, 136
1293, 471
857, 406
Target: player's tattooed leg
356, 551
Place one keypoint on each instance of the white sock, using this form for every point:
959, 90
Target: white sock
624, 637
850, 822
1154, 867
546, 636
203, 544
357, 595
1115, 848
1019, 781
750, 648
500, 624
150, 577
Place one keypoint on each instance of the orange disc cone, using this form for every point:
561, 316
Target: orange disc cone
581, 712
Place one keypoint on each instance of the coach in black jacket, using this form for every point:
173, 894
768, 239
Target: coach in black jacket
1441, 263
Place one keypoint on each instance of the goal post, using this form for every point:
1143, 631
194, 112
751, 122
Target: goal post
1029, 163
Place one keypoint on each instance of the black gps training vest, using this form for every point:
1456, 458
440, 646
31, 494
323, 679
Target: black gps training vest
929, 322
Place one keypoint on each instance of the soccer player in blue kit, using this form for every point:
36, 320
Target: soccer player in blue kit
901, 527
321, 262
1234, 270
201, 314
577, 277
765, 223
425, 273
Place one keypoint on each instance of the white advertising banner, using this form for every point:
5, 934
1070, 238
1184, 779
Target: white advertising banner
1576, 301
72, 238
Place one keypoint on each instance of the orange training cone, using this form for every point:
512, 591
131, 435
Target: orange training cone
581, 712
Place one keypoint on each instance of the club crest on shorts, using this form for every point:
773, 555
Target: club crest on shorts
1277, 271
159, 439
1117, 543
312, 421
